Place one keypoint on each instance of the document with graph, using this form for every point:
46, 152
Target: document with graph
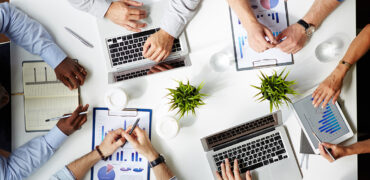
45, 96
329, 123
126, 163
271, 13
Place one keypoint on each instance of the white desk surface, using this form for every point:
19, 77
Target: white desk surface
231, 97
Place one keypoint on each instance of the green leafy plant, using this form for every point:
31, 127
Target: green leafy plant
275, 89
186, 98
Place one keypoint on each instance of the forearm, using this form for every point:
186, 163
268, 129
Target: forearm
178, 14
29, 34
319, 11
81, 166
27, 158
162, 172
359, 46
243, 10
97, 8
361, 147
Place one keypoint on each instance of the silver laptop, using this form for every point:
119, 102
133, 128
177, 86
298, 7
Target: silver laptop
261, 145
122, 49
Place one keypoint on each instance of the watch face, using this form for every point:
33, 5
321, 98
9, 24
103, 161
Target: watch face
310, 31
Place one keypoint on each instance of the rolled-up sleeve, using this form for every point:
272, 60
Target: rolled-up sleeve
29, 157
29, 34
63, 174
178, 14
96, 8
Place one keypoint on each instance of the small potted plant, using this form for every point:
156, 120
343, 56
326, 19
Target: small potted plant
275, 89
185, 98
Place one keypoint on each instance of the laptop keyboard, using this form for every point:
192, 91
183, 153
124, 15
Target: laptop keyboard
239, 131
257, 153
127, 49
144, 71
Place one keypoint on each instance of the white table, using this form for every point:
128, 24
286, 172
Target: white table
231, 96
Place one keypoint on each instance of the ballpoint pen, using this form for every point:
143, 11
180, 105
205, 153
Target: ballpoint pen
332, 157
66, 116
79, 38
132, 129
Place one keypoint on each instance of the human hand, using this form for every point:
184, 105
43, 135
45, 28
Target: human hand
140, 141
330, 87
70, 73
121, 13
256, 37
4, 97
73, 123
227, 174
337, 151
160, 68
112, 141
295, 38
158, 46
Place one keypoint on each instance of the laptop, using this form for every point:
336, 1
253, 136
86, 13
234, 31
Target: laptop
261, 145
122, 49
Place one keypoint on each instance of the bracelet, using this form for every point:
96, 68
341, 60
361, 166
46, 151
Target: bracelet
345, 63
101, 154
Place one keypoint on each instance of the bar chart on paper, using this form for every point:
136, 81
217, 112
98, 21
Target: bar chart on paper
273, 15
126, 162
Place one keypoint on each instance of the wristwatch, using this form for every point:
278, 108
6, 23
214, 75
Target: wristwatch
157, 161
309, 28
346, 64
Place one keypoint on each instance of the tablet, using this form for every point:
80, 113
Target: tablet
329, 123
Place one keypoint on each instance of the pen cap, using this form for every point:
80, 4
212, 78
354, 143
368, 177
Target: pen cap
116, 99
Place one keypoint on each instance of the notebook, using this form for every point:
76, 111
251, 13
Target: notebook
45, 96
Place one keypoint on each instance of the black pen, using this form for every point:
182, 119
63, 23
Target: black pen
132, 130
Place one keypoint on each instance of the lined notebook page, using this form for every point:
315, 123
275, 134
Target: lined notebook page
45, 96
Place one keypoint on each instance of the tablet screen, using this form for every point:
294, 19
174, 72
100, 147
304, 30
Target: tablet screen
327, 123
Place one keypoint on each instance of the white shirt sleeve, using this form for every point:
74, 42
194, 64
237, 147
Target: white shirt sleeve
97, 8
178, 14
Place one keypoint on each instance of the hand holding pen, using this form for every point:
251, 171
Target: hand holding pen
74, 122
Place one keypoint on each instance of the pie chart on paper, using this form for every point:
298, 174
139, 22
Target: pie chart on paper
269, 4
106, 173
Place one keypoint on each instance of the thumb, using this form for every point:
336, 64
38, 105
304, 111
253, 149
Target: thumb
280, 36
270, 36
248, 175
328, 145
129, 138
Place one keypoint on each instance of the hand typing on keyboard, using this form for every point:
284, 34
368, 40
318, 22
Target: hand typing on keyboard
158, 46
124, 13
228, 174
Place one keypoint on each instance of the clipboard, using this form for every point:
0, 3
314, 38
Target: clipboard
276, 19
125, 161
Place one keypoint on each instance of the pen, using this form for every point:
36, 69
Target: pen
132, 129
79, 38
332, 157
66, 116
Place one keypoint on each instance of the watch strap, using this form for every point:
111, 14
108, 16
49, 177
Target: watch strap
100, 153
304, 24
345, 63
157, 161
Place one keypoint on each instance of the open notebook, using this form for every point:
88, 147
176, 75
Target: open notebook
45, 96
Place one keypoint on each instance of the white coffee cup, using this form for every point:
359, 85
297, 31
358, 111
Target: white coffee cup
167, 127
116, 99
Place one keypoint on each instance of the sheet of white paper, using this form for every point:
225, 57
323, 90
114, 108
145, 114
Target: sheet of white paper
125, 163
272, 14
